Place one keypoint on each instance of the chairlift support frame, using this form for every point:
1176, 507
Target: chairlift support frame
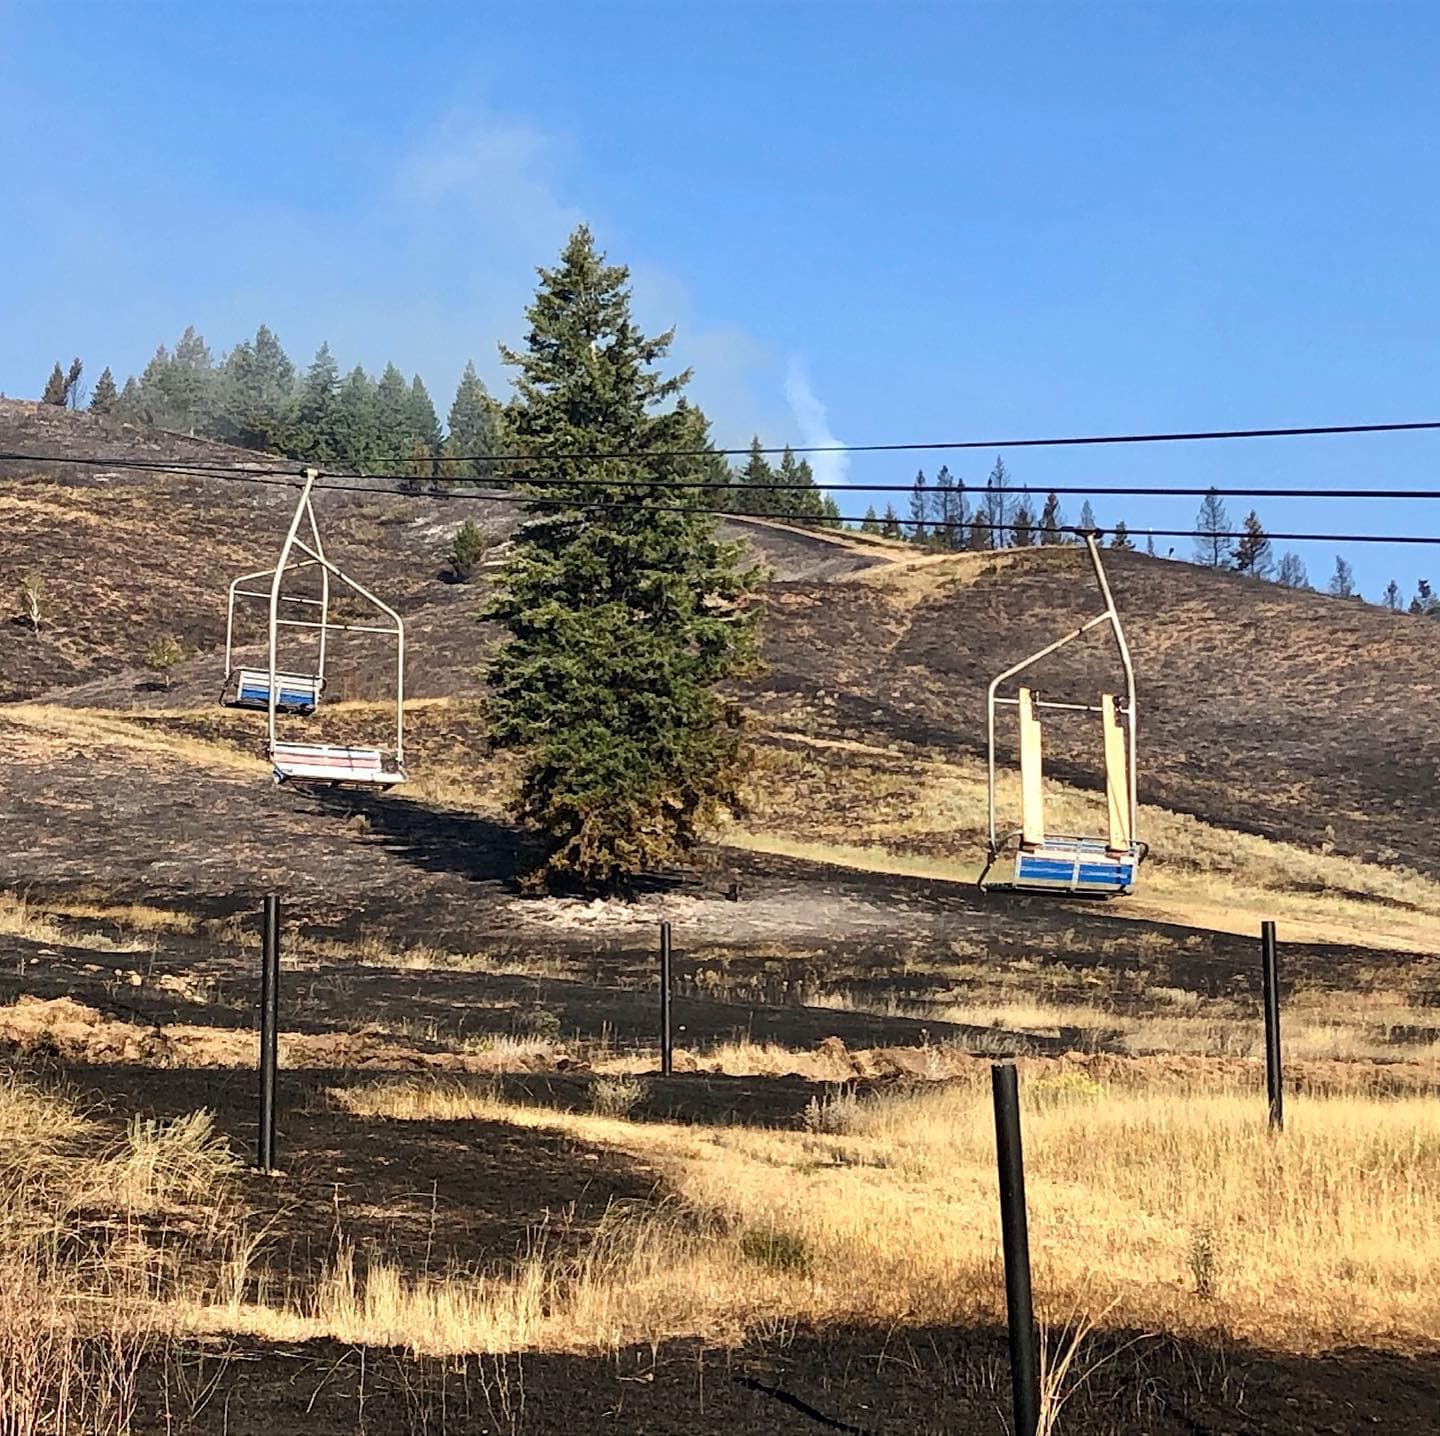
316, 762
1065, 864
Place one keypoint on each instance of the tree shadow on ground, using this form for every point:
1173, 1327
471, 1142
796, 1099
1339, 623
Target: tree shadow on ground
855, 1379
437, 839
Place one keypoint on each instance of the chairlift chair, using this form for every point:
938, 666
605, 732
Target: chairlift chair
1104, 866
277, 691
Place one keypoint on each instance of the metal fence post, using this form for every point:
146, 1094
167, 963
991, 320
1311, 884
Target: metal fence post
667, 1054
269, 1030
1274, 1072
1015, 1236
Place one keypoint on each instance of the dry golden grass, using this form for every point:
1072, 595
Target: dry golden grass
96, 725
19, 917
86, 1269
1162, 1210
919, 817
1319, 1024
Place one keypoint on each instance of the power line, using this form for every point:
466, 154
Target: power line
164, 466
292, 479
1069, 441
365, 482
1053, 442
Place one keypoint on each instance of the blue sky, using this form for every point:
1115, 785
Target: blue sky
881, 221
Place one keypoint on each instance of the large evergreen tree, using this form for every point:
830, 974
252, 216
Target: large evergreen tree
623, 610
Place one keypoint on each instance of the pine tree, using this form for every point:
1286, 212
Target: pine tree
153, 395
830, 513
128, 404
919, 509
1087, 518
357, 422
753, 491
1342, 581
950, 509
256, 395
106, 397
707, 467
801, 498
1252, 553
1392, 599
1150, 545
890, 524
188, 385
623, 619
1212, 524
997, 502
1121, 537
1291, 572
1022, 526
423, 427
981, 535
870, 524
316, 410
1425, 602
1052, 521
74, 395
55, 387
474, 429
392, 415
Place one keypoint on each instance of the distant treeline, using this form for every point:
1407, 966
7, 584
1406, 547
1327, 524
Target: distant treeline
255, 397
948, 514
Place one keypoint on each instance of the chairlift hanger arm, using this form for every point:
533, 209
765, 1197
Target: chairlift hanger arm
1111, 616
304, 510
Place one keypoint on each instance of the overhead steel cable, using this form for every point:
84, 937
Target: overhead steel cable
366, 483
292, 478
167, 466
1184, 436
1181, 436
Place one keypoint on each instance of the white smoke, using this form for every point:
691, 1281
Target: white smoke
830, 470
